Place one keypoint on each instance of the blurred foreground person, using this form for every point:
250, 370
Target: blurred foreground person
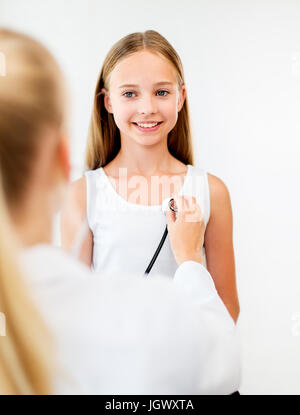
69, 330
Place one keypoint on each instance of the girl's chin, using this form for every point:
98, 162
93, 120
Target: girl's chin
148, 141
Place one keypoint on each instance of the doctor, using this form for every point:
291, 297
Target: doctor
69, 330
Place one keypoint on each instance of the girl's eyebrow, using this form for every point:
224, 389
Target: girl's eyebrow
157, 84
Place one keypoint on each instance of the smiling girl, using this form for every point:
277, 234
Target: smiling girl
139, 152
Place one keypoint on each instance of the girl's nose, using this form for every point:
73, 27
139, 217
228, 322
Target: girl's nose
147, 105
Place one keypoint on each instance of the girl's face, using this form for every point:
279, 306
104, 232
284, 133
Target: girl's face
144, 97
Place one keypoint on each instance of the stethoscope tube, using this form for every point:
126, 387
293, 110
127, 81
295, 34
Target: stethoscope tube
172, 206
157, 251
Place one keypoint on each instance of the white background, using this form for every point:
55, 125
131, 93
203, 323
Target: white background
242, 68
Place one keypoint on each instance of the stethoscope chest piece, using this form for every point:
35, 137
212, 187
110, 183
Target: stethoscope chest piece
168, 204
172, 205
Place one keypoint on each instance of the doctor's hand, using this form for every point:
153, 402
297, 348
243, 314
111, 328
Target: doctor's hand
186, 230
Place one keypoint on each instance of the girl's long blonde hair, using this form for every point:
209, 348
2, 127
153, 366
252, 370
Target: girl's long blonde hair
104, 142
31, 97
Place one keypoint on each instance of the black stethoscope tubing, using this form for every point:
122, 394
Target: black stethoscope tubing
172, 206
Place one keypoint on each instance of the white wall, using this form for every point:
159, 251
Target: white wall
242, 66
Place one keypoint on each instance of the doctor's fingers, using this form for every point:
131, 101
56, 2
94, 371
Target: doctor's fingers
184, 203
194, 215
188, 209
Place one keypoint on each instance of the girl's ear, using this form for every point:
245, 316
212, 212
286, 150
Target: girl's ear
106, 100
181, 99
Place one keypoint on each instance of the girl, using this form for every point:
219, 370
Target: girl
67, 330
139, 152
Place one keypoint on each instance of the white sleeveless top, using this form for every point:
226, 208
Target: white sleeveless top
125, 234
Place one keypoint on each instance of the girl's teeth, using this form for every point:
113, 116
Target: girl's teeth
147, 125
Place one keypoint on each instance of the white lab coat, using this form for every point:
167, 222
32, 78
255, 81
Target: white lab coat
125, 334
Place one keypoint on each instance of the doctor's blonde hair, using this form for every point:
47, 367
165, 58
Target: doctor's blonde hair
30, 99
103, 143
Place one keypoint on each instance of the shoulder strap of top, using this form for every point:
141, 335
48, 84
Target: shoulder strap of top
196, 185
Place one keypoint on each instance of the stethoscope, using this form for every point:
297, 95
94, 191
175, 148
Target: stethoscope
167, 204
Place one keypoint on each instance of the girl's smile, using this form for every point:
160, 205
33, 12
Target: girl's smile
147, 126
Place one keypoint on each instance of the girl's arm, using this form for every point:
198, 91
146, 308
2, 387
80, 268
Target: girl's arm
219, 245
72, 217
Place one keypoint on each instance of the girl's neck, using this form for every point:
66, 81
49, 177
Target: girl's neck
145, 160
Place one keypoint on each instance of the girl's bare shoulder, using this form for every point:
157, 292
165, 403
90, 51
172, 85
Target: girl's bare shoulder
219, 193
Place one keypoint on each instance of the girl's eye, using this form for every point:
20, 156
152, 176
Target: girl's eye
128, 94
162, 93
